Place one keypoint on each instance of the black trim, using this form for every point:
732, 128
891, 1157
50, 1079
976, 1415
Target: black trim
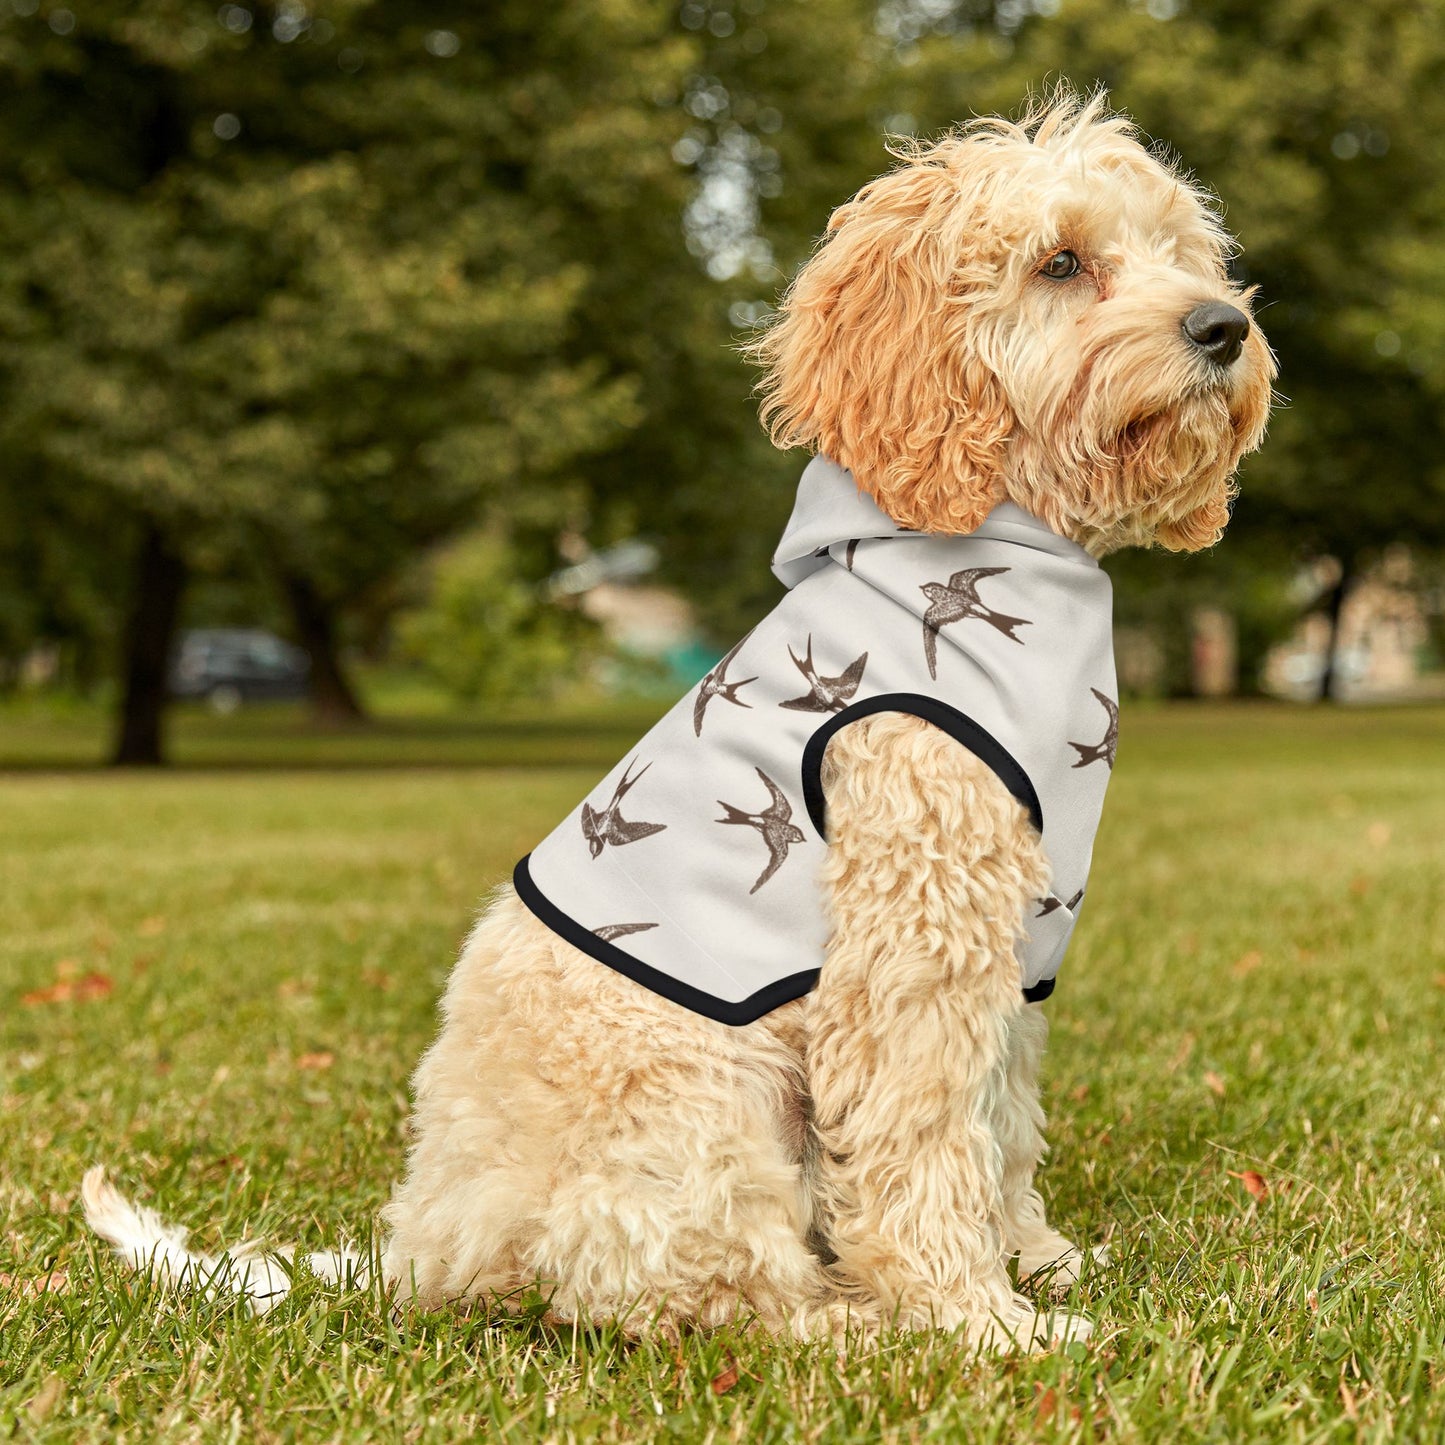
1040, 991
977, 740
746, 1011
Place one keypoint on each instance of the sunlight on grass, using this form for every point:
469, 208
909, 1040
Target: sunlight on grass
217, 981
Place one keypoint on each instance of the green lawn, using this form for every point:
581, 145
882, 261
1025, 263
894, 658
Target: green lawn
253, 955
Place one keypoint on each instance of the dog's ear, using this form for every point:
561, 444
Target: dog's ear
874, 359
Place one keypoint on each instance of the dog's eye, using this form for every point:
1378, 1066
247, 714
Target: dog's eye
1060, 266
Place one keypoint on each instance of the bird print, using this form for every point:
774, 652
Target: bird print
775, 825
1104, 750
957, 600
1052, 904
848, 555
609, 826
825, 694
715, 684
609, 931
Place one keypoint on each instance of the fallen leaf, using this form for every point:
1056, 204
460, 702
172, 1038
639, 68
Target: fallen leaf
1254, 1183
56, 993
66, 990
722, 1383
322, 1059
1247, 963
1047, 1407
377, 978
1378, 834
151, 927
56, 1282
1360, 885
1080, 1094
1214, 1083
67, 968
1440, 980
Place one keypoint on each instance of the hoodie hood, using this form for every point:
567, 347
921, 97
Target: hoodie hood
831, 509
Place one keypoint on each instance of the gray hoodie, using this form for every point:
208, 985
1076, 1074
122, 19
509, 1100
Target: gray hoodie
693, 865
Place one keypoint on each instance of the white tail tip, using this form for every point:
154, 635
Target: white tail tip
148, 1244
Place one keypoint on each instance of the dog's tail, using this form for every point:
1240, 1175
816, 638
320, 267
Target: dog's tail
147, 1243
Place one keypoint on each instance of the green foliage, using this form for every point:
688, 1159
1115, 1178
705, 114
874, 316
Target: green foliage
485, 633
318, 288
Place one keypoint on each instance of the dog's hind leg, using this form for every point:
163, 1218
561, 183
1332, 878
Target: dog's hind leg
578, 1135
931, 863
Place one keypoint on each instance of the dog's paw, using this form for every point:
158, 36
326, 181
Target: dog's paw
1058, 1270
1023, 1326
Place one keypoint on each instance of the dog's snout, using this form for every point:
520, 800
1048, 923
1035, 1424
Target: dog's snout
1218, 330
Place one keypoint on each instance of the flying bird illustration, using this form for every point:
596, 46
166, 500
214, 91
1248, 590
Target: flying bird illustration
1051, 904
609, 931
1109, 745
848, 555
775, 824
825, 694
715, 684
609, 826
957, 600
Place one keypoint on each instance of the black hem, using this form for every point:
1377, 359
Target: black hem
957, 725
735, 1015
1040, 991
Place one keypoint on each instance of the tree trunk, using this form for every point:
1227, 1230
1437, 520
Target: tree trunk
160, 578
333, 699
1329, 676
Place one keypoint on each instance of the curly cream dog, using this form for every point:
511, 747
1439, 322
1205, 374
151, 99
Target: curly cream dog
1036, 313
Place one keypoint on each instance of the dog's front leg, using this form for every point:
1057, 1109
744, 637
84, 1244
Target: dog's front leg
931, 862
1019, 1124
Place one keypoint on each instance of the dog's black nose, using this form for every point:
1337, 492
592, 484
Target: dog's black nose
1218, 330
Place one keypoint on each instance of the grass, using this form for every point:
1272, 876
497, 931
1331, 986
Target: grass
252, 957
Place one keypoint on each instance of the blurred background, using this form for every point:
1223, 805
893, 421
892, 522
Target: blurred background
366, 362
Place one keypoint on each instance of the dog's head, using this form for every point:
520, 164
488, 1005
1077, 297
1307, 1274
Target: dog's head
1037, 311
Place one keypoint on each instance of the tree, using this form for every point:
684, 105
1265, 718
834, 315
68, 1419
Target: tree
295, 284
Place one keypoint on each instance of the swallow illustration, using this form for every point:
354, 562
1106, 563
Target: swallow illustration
609, 826
1051, 904
848, 555
825, 694
775, 825
1106, 748
609, 931
957, 600
715, 684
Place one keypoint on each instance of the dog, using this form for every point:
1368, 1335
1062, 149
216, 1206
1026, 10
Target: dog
1024, 336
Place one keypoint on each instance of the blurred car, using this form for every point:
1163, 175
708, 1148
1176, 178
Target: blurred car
228, 666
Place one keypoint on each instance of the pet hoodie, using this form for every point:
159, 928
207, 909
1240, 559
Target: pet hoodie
693, 866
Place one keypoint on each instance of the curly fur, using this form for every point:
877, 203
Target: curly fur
921, 348
865, 1155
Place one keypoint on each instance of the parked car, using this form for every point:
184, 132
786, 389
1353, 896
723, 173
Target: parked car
230, 665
